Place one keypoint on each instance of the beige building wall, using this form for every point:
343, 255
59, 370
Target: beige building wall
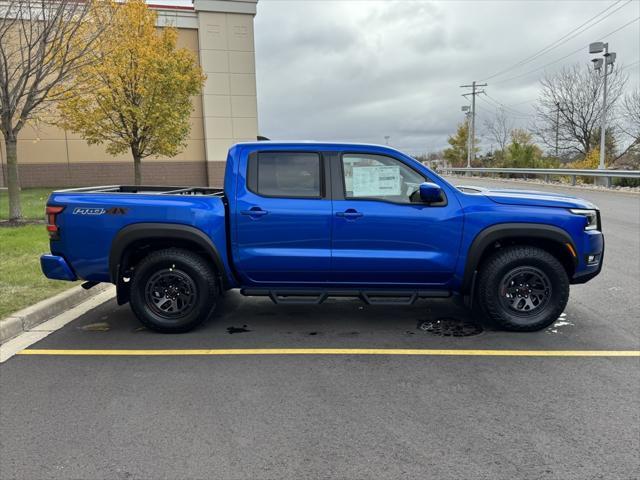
229, 103
225, 113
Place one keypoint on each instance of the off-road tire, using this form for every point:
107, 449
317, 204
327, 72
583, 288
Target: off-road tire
495, 269
196, 277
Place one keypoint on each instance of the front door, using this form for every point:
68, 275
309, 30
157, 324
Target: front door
382, 233
283, 220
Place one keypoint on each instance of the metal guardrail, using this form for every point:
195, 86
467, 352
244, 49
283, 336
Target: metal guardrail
607, 175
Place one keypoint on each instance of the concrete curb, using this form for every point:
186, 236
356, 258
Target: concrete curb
27, 318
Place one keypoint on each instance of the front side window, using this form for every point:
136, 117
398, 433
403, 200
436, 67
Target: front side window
380, 177
287, 174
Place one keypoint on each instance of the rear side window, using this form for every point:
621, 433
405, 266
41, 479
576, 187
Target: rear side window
285, 174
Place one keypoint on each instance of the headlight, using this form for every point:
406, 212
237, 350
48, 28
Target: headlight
590, 215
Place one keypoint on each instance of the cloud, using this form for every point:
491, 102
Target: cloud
360, 70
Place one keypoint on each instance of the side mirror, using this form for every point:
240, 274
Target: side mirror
430, 192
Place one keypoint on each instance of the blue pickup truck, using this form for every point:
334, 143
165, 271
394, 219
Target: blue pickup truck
301, 222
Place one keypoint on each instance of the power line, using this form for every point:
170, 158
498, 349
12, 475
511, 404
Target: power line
518, 112
494, 104
521, 103
630, 65
562, 40
509, 105
566, 56
510, 111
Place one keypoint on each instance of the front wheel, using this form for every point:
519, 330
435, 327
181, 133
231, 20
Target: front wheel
173, 290
522, 288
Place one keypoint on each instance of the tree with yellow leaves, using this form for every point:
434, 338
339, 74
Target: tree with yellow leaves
137, 96
590, 161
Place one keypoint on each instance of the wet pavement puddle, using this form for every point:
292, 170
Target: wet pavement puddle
232, 330
450, 327
96, 327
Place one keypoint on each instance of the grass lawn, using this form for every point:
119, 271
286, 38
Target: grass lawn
21, 280
33, 202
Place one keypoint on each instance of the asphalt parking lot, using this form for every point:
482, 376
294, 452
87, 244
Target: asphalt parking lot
319, 415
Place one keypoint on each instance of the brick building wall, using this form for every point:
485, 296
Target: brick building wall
112, 173
220, 33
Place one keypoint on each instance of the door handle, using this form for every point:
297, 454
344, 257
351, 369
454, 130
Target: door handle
349, 214
254, 212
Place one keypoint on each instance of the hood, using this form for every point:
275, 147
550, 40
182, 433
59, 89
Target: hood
532, 198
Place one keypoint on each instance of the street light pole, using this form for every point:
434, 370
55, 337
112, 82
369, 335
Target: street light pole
603, 127
603, 63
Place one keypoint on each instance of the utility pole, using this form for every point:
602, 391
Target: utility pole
469, 147
603, 64
473, 94
467, 115
557, 127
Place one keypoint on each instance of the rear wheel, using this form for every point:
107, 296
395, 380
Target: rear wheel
173, 290
522, 288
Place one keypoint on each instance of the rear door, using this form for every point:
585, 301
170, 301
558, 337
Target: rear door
383, 234
283, 219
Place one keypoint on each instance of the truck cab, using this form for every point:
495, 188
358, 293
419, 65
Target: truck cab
304, 221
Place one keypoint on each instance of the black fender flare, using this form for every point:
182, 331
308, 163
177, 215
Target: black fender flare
495, 233
161, 231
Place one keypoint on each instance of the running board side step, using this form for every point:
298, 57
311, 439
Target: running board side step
370, 297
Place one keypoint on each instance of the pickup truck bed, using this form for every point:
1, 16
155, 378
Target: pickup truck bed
103, 218
147, 189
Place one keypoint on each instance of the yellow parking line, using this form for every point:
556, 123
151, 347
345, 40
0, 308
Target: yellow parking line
341, 351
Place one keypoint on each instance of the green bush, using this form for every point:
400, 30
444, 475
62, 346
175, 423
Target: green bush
626, 182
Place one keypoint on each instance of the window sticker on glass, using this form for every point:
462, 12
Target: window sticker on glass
376, 181
348, 183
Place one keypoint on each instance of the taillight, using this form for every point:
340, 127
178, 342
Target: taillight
52, 211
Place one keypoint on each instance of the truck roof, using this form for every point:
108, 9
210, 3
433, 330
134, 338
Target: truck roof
307, 143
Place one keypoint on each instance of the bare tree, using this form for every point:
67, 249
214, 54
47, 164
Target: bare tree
499, 128
631, 114
43, 43
571, 102
630, 126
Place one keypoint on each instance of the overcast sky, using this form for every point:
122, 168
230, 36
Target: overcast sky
361, 70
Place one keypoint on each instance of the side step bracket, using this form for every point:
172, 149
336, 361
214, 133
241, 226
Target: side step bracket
284, 297
310, 296
389, 298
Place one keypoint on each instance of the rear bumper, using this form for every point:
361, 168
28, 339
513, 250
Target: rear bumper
56, 268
